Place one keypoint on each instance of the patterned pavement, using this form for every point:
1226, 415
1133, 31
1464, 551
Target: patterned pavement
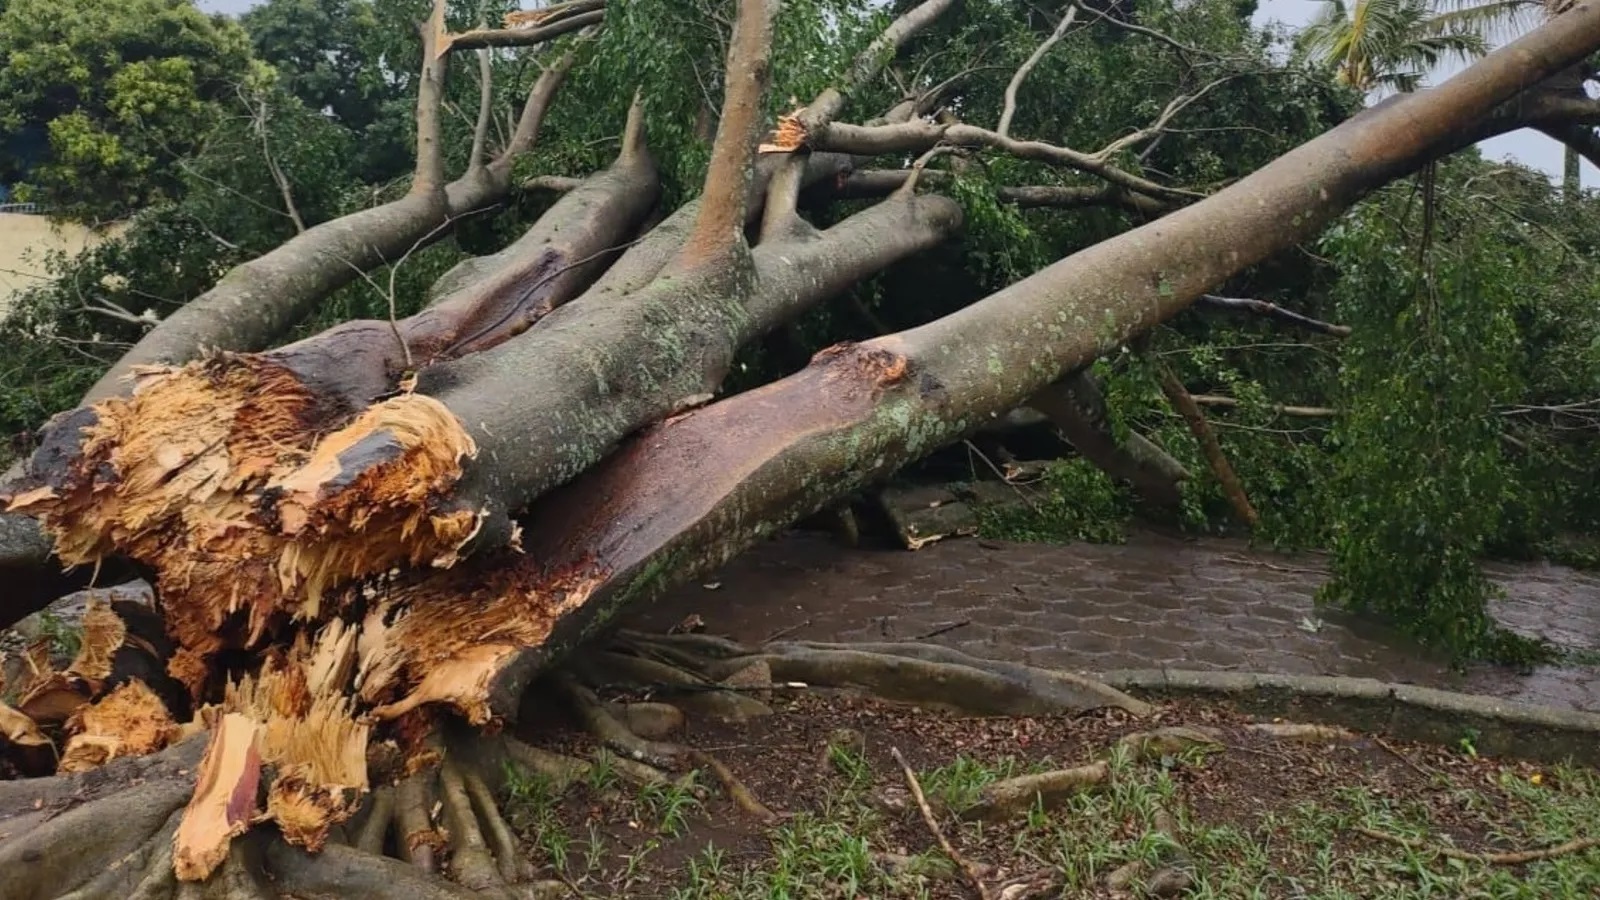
1155, 601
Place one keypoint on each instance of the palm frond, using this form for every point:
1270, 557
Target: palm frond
1498, 21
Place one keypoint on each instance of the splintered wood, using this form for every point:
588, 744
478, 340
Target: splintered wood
224, 801
324, 542
129, 721
293, 720
251, 498
454, 634
50, 697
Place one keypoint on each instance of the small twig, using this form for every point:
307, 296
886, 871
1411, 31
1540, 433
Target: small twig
1402, 757
942, 629
961, 862
1514, 858
785, 632
909, 187
1273, 311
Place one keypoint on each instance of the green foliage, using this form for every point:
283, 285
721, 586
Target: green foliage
110, 94
1419, 484
330, 55
1077, 502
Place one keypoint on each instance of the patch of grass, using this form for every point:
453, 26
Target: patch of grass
1256, 820
669, 805
66, 638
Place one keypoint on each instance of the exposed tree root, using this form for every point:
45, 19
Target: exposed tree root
1014, 797
1303, 731
1168, 741
612, 732
923, 674
1170, 879
737, 791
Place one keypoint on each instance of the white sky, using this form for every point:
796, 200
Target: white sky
1527, 147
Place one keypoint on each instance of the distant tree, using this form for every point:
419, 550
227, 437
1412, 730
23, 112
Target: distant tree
114, 90
351, 60
1375, 44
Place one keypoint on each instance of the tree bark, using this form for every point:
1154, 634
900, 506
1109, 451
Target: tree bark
1077, 408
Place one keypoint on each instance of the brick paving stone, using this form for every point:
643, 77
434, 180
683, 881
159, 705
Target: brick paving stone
1208, 603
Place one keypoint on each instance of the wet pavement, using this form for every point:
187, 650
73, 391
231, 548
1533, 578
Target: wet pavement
1155, 601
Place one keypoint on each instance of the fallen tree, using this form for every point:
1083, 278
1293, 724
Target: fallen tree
367, 541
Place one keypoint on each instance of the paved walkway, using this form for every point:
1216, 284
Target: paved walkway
1206, 604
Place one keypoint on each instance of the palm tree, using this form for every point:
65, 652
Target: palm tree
1377, 45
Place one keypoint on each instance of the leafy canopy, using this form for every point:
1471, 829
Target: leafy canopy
100, 99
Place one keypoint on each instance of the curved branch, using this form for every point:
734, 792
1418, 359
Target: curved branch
869, 62
1010, 110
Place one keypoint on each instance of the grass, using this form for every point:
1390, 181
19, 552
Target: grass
847, 847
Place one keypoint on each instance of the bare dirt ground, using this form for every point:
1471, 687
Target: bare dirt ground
1227, 811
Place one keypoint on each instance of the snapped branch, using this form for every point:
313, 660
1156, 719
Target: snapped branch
429, 175
1273, 311
784, 191
531, 27
719, 228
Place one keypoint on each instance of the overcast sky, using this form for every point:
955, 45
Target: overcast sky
1528, 147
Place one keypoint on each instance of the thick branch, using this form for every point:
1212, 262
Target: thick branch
480, 130
540, 96
480, 39
919, 136
1274, 311
429, 176
882, 182
719, 230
